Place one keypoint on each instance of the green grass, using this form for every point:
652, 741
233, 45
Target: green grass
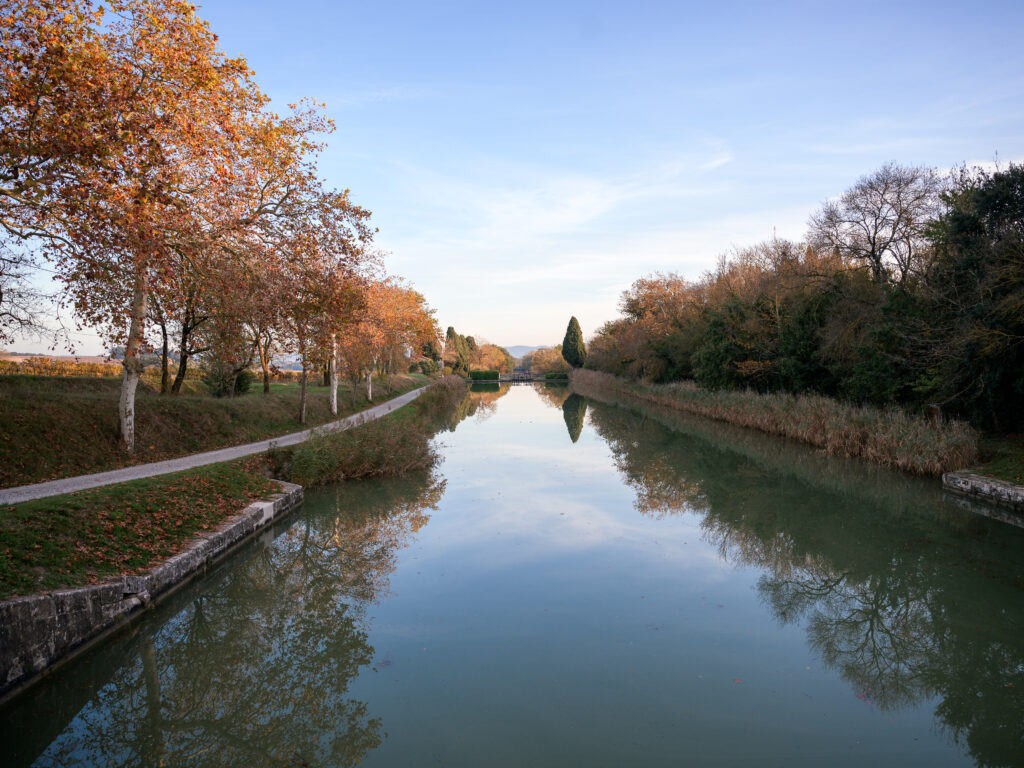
95, 535
1002, 458
52, 427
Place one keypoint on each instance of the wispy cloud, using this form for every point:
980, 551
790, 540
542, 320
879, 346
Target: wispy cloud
554, 240
379, 95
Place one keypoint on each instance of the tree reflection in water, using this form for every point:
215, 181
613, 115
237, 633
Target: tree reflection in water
252, 669
574, 411
574, 408
480, 402
906, 600
552, 393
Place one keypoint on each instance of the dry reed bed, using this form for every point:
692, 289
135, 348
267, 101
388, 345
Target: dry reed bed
890, 437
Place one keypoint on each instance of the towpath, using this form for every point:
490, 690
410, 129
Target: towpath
83, 482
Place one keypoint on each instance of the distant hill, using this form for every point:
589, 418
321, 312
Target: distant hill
519, 350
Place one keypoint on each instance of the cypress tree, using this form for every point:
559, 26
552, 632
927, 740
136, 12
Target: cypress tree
573, 350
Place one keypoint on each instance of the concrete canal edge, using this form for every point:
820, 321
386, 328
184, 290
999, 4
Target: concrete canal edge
986, 489
41, 632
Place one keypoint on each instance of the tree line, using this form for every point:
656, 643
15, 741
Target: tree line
462, 354
908, 290
145, 169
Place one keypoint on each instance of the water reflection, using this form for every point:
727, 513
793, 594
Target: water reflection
251, 666
552, 393
906, 602
574, 411
538, 619
480, 403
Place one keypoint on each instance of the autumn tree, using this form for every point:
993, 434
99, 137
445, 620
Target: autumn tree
408, 324
490, 357
56, 124
172, 114
57, 121
545, 360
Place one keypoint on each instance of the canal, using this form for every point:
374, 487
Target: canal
576, 584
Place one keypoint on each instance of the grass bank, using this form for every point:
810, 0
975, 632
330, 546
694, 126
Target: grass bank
96, 535
394, 445
889, 437
103, 533
52, 427
1002, 457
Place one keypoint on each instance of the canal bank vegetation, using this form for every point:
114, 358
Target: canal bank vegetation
887, 436
95, 535
392, 446
908, 292
52, 427
661, 428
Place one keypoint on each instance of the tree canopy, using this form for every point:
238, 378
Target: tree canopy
148, 169
909, 289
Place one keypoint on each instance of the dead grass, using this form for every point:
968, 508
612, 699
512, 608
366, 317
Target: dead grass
890, 437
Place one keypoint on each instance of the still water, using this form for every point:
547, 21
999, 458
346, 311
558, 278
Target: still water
577, 584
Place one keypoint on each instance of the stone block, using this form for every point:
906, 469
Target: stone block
987, 489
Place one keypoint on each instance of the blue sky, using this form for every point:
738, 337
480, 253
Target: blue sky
527, 161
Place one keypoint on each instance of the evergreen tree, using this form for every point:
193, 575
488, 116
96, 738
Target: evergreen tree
573, 350
457, 352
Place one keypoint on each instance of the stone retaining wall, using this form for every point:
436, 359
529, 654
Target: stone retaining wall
40, 630
985, 489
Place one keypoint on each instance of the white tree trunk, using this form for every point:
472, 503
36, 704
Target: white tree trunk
132, 361
333, 363
369, 385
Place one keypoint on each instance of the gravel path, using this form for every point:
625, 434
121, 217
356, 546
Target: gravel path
82, 482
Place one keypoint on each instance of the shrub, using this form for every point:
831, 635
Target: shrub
223, 381
556, 376
483, 375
